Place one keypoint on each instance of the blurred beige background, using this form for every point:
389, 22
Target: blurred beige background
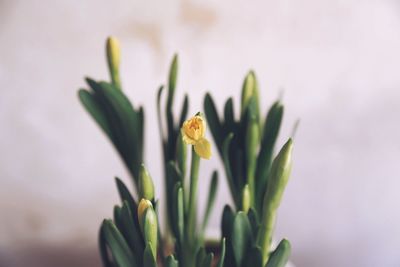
337, 63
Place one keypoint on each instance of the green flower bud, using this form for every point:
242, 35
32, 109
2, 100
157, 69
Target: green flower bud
146, 185
246, 198
150, 229
278, 178
249, 90
144, 204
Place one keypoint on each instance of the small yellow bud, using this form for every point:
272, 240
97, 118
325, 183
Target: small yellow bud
193, 131
143, 205
113, 59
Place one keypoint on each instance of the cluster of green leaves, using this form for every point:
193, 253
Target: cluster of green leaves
169, 136
248, 234
181, 193
133, 237
116, 116
246, 146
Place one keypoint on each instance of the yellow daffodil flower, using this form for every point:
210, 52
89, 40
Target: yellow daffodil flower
193, 131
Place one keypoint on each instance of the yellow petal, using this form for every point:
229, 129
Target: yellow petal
203, 148
186, 138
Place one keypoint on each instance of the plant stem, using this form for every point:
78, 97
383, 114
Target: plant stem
192, 207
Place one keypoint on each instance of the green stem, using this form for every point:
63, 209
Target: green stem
194, 177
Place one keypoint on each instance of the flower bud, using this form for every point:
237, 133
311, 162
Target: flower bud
249, 90
146, 185
144, 204
246, 198
150, 229
113, 59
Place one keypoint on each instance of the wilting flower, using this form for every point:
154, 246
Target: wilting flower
193, 131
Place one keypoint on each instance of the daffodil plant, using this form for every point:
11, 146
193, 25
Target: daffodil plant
133, 237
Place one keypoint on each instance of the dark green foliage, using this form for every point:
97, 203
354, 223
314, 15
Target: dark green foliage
280, 256
245, 147
121, 122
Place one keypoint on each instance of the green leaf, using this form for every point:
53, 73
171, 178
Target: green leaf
229, 124
130, 230
150, 228
270, 134
171, 262
105, 257
211, 198
181, 155
222, 254
200, 256
92, 106
125, 195
241, 237
213, 121
281, 254
227, 221
146, 185
254, 221
149, 259
184, 111
160, 126
207, 260
178, 213
227, 165
279, 176
173, 73
117, 244
254, 258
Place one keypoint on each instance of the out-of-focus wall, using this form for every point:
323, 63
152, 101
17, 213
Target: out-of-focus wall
336, 62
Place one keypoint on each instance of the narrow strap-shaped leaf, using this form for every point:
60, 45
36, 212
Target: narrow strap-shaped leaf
280, 256
226, 230
130, 123
91, 105
270, 133
130, 230
213, 121
211, 198
178, 213
173, 74
228, 171
105, 257
140, 127
184, 110
229, 115
125, 195
160, 126
117, 244
222, 254
241, 237
254, 221
207, 260
171, 262
253, 257
149, 259
200, 256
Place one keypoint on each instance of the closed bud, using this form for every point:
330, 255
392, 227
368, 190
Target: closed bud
249, 90
144, 204
113, 59
246, 198
150, 229
146, 185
